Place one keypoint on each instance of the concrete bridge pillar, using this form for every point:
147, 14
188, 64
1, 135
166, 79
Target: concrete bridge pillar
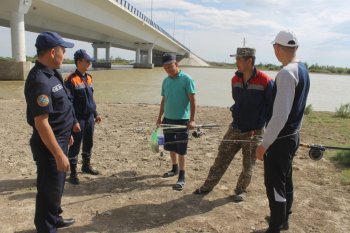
108, 48
143, 51
95, 51
137, 56
20, 8
19, 68
107, 63
150, 55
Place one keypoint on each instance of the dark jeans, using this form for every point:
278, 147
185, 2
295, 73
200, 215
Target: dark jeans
278, 179
85, 136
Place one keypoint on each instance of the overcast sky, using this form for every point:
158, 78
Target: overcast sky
213, 29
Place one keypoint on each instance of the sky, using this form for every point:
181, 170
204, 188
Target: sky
213, 29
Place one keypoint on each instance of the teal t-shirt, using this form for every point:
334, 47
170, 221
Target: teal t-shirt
176, 91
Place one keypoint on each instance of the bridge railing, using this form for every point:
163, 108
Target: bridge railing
144, 18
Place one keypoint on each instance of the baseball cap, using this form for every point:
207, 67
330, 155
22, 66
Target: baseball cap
47, 40
168, 58
244, 52
81, 54
286, 38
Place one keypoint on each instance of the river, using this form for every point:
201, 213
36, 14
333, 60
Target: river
126, 85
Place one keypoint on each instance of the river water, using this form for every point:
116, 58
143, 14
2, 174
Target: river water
126, 85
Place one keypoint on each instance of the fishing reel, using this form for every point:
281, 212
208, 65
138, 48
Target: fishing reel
316, 152
197, 133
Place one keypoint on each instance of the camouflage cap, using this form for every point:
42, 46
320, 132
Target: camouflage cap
244, 52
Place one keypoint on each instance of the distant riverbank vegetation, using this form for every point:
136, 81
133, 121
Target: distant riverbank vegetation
312, 68
115, 61
315, 68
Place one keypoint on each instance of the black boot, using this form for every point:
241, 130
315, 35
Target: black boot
73, 177
87, 168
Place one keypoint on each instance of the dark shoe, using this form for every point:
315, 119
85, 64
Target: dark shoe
283, 227
201, 191
88, 169
73, 179
65, 223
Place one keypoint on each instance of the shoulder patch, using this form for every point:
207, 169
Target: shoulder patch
42, 100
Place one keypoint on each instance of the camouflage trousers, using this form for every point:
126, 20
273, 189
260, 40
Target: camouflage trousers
227, 151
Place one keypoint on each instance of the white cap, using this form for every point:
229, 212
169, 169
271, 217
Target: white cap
286, 38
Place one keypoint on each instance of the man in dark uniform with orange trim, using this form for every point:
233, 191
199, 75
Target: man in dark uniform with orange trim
79, 84
51, 114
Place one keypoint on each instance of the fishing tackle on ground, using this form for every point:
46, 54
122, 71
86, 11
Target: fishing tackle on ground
316, 151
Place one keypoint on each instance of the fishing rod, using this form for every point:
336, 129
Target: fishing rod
171, 128
252, 139
316, 151
203, 126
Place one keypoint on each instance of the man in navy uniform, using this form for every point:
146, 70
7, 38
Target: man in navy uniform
50, 113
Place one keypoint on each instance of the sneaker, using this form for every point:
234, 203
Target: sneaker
201, 191
239, 197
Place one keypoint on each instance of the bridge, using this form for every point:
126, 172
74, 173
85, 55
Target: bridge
103, 23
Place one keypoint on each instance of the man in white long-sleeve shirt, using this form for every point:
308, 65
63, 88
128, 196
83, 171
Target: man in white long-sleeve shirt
281, 138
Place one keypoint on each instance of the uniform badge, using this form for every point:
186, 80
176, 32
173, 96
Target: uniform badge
43, 100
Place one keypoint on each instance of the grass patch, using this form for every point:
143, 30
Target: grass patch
323, 128
342, 158
343, 111
345, 177
308, 109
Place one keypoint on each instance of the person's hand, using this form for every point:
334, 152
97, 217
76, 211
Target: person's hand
159, 121
62, 163
260, 152
98, 119
191, 125
76, 128
71, 140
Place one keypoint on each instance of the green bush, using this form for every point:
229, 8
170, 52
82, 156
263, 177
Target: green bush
343, 111
342, 157
308, 109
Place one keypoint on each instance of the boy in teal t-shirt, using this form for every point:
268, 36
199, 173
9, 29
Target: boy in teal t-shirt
178, 107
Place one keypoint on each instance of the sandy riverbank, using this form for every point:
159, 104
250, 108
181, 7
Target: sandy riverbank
131, 196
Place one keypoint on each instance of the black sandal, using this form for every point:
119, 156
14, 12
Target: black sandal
179, 186
170, 174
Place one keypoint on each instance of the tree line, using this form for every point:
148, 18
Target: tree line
315, 68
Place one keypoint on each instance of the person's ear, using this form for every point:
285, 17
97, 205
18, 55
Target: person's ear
52, 52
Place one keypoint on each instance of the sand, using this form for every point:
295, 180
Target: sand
131, 196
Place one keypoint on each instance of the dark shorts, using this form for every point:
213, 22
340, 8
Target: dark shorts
176, 139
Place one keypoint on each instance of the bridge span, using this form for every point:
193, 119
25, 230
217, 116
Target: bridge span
103, 23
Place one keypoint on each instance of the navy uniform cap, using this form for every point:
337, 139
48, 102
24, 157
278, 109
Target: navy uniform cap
82, 54
47, 40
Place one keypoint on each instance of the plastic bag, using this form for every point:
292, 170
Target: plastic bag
153, 142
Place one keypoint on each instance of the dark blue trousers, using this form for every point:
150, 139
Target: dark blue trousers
85, 136
50, 186
279, 180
